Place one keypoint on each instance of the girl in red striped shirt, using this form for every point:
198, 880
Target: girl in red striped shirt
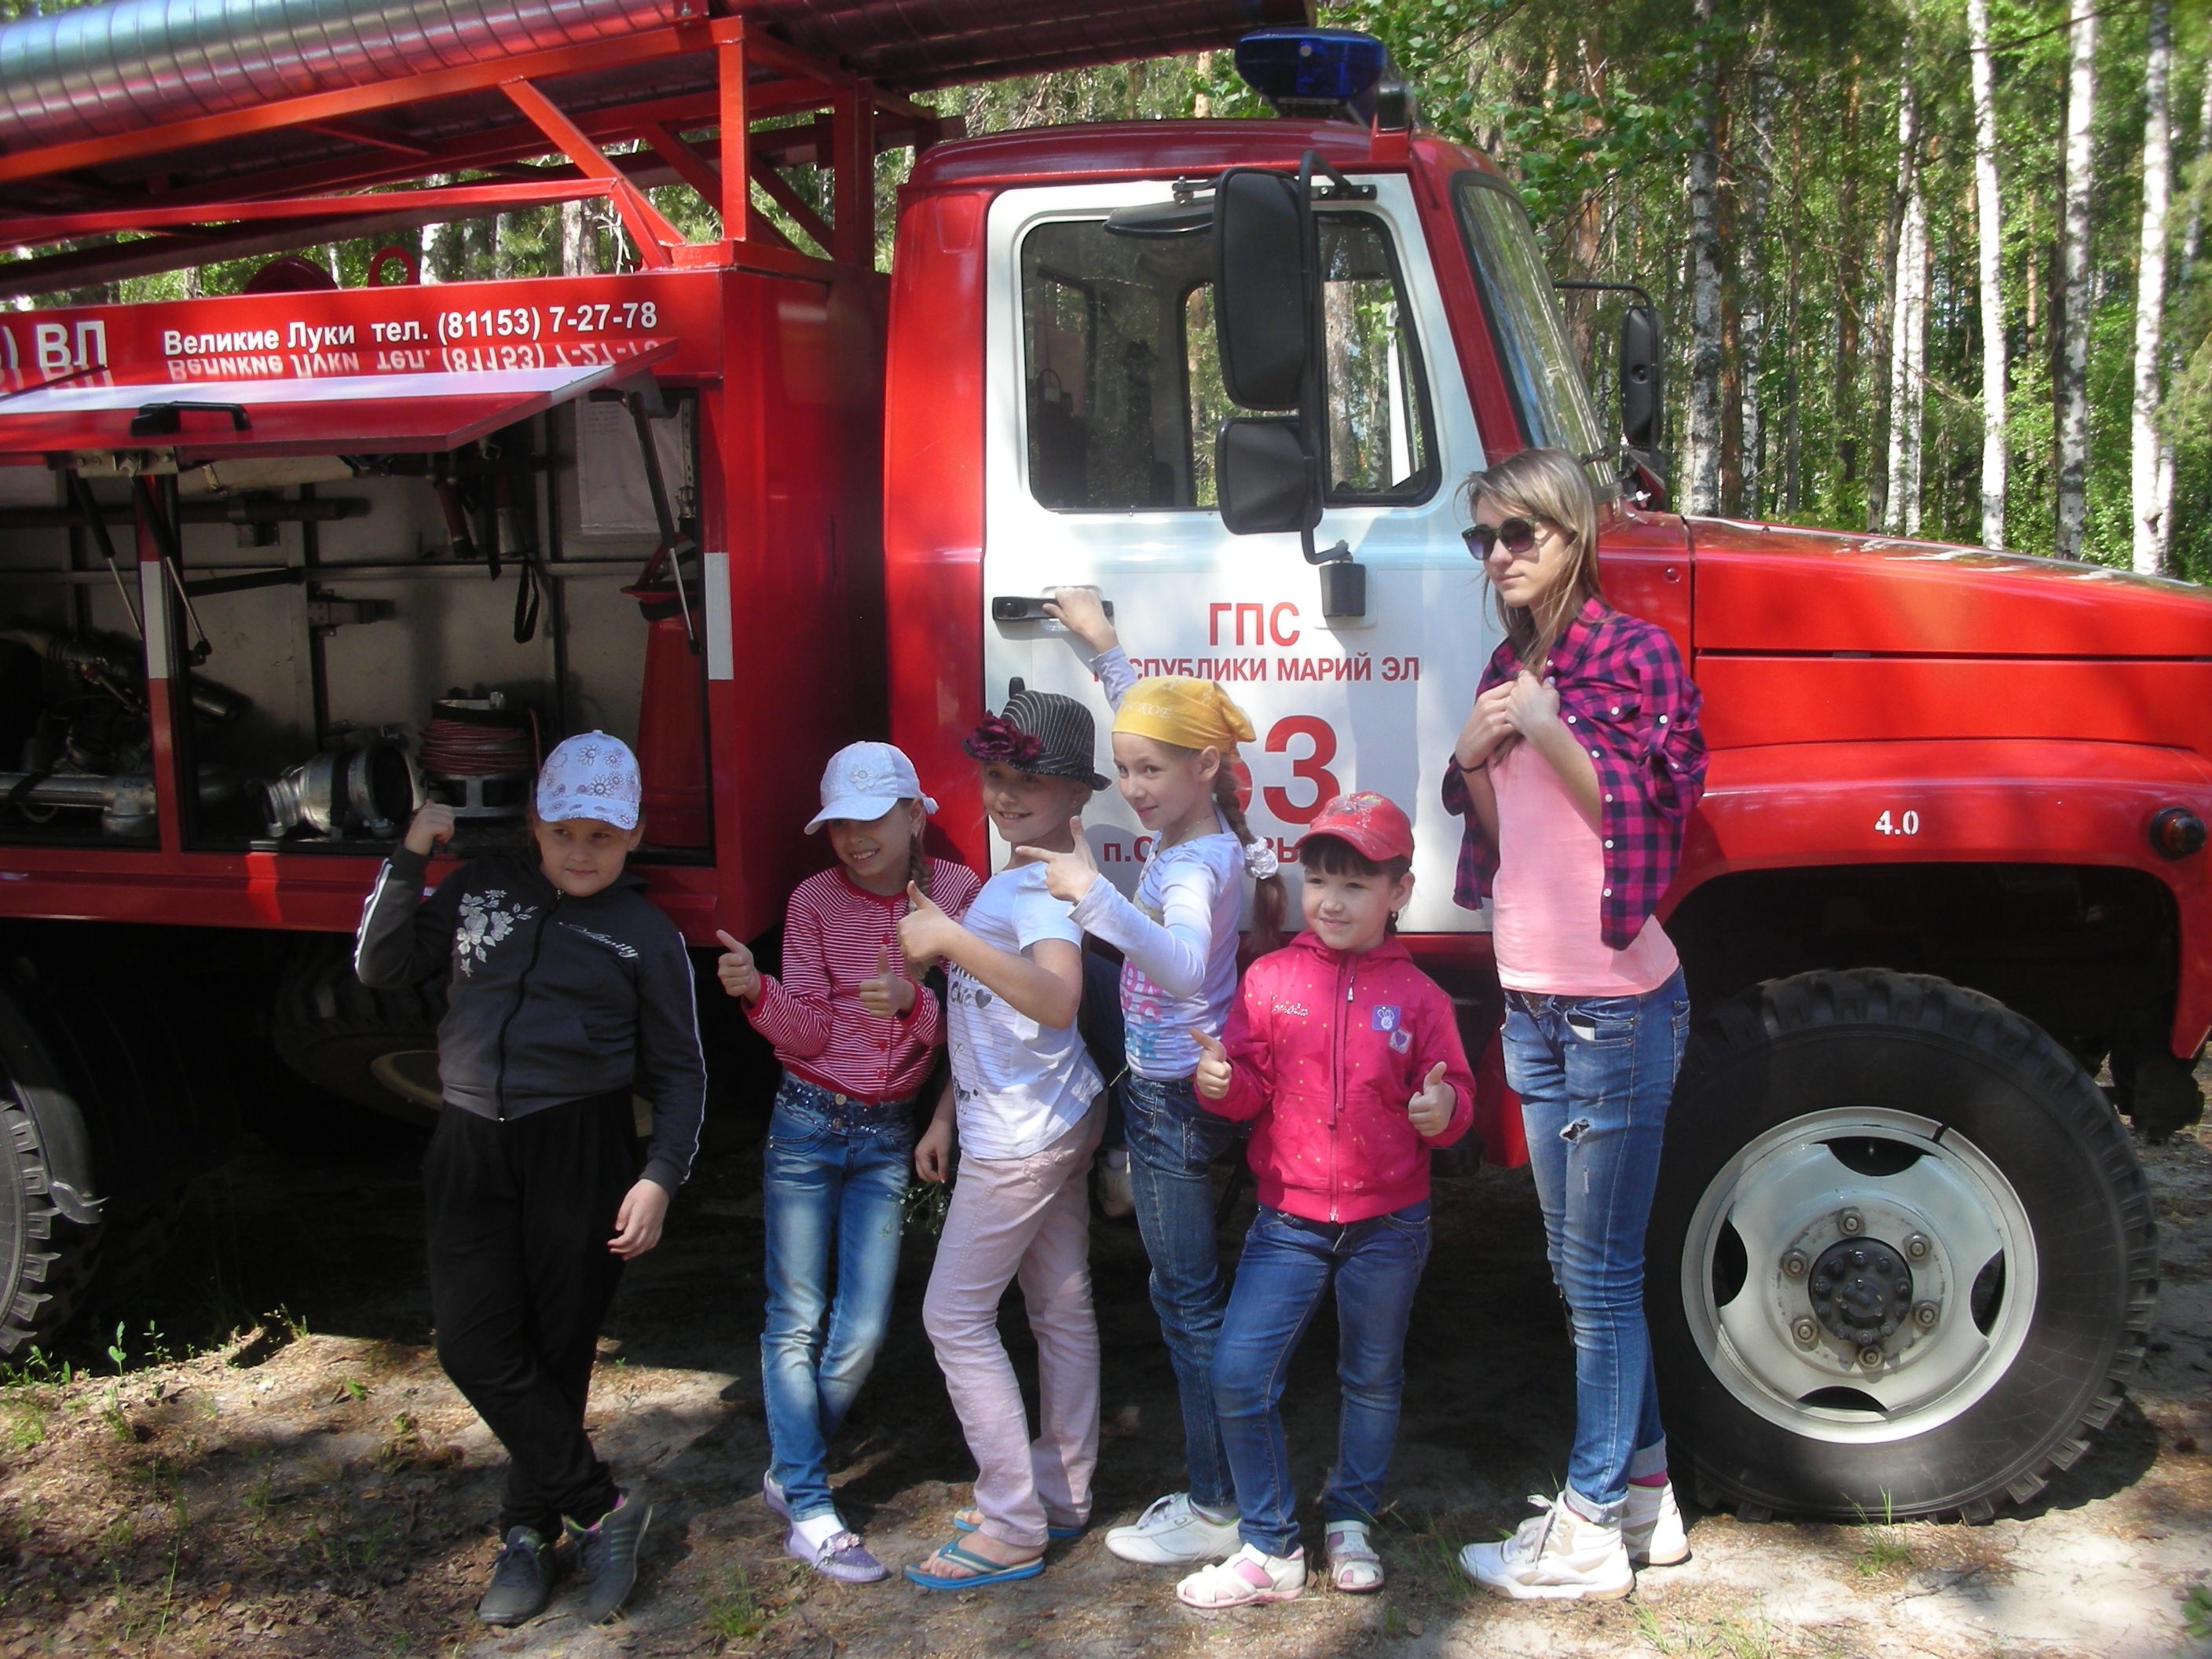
856, 1038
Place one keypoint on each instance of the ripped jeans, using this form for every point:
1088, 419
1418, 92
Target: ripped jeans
1594, 1075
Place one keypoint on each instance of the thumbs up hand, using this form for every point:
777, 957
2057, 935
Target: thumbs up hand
925, 932
736, 970
1214, 1071
890, 993
1431, 1109
1067, 876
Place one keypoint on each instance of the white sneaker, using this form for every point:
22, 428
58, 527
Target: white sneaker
1245, 1577
1652, 1531
1556, 1556
1171, 1534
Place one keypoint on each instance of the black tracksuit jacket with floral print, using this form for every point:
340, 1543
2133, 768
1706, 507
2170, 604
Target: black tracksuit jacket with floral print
549, 998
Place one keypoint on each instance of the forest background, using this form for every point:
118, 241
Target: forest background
1935, 267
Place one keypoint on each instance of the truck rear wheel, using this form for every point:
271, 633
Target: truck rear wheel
376, 1049
46, 1260
1902, 1259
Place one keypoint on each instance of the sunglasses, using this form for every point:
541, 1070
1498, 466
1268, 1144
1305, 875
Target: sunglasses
1515, 535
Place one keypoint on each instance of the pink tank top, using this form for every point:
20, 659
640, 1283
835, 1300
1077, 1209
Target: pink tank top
1551, 870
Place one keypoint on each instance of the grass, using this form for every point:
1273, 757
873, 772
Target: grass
2197, 1612
1885, 1545
739, 1611
1729, 1635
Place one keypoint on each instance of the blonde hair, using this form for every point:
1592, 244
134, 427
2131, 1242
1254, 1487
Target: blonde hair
1549, 484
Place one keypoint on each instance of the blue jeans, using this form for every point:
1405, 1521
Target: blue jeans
1173, 1142
1594, 1075
1285, 1271
836, 1177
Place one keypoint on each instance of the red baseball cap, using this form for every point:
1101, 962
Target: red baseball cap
1371, 822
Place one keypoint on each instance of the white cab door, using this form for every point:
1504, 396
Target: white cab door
1104, 399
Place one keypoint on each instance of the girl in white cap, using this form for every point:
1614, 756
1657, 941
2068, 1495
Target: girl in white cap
856, 1036
566, 987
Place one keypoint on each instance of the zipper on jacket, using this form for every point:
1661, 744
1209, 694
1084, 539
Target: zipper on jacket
521, 990
1336, 1076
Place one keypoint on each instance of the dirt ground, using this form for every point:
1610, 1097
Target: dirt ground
311, 1485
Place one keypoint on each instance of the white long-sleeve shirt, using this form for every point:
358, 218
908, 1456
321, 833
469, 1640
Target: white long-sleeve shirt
1177, 940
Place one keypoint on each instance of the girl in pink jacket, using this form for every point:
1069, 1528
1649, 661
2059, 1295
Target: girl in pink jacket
1347, 1058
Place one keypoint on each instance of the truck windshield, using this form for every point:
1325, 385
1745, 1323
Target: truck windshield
1532, 347
1124, 379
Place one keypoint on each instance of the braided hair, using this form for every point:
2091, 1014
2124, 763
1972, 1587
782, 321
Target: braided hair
1270, 900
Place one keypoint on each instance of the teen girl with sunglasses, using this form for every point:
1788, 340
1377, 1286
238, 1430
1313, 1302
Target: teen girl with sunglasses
1574, 772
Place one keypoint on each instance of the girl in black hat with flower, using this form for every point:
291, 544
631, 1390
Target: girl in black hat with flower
1025, 1103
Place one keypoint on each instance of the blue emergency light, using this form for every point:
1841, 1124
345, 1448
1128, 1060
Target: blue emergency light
1314, 72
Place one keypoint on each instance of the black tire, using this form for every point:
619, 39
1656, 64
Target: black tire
1924, 1111
375, 1048
46, 1260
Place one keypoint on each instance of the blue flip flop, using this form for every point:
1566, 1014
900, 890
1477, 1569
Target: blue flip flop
962, 1523
987, 1571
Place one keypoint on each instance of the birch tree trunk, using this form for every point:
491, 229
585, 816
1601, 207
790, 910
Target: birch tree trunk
1704, 458
578, 245
2073, 377
2150, 293
1908, 358
1751, 330
1989, 214
1882, 463
2191, 242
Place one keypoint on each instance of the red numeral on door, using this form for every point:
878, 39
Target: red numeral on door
1311, 768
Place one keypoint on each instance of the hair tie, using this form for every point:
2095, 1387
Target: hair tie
1259, 860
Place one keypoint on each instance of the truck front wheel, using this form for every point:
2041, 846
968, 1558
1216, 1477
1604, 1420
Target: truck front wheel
1902, 1259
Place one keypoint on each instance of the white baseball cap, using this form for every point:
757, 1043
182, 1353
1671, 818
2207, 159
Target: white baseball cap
593, 776
864, 780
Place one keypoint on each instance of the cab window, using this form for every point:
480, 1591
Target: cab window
1123, 382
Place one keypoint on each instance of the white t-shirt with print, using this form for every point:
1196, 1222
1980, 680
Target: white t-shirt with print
1017, 1086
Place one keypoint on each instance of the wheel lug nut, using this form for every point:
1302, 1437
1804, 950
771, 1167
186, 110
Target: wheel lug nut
1924, 1315
1916, 1246
1806, 1332
1870, 1358
1793, 1264
1850, 1224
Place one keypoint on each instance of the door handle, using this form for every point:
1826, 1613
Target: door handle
1013, 608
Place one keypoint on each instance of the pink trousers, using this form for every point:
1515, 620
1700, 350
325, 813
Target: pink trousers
1025, 1220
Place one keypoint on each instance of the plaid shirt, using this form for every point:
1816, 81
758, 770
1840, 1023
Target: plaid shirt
1622, 689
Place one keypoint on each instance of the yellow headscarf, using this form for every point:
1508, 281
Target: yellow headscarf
1191, 713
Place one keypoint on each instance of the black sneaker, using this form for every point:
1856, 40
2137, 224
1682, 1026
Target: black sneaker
521, 1579
607, 1557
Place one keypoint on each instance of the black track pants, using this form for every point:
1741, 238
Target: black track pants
520, 1213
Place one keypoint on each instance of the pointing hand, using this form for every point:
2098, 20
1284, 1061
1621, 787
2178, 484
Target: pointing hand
1431, 1109
1214, 1071
1067, 876
736, 970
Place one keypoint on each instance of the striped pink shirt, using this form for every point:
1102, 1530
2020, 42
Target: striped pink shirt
832, 934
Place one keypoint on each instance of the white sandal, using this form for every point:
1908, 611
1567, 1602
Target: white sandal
1353, 1565
1245, 1577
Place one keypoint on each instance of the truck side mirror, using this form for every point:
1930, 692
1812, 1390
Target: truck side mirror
1263, 477
1641, 386
1261, 289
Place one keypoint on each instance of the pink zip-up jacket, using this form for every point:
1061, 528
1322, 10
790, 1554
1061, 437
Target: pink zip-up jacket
1327, 1049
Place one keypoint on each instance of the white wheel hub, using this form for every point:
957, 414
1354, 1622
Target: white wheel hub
1887, 1274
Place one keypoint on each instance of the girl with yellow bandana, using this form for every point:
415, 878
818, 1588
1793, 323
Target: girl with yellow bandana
1175, 751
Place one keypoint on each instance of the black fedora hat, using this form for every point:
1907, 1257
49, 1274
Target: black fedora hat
1044, 733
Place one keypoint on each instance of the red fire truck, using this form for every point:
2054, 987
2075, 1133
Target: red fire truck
273, 566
